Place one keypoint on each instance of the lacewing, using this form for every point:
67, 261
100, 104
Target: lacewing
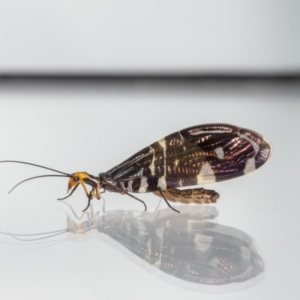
193, 156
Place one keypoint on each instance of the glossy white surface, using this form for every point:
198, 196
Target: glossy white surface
206, 37
84, 126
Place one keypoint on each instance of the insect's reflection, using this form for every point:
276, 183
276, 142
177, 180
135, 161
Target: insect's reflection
187, 246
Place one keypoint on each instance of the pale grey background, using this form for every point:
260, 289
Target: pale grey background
93, 126
207, 37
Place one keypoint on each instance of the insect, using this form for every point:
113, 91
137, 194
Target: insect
193, 156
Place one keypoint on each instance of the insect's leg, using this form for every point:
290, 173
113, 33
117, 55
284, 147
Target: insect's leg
69, 194
125, 192
90, 197
167, 201
121, 191
95, 193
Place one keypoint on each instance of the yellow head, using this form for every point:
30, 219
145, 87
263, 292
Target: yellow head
77, 178
84, 178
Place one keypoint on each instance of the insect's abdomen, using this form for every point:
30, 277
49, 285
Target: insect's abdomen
196, 195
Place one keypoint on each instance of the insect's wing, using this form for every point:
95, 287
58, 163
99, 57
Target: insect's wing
196, 155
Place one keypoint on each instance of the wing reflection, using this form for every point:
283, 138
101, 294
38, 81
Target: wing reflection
188, 245
185, 245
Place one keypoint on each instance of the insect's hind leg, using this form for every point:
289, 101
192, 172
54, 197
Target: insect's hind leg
161, 193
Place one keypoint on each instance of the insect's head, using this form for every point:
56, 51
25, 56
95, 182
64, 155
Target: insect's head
77, 178
83, 178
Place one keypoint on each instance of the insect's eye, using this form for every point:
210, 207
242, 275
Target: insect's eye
76, 179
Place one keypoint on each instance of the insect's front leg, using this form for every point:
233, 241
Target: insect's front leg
94, 193
90, 197
74, 189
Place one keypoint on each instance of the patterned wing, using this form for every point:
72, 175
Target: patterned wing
196, 155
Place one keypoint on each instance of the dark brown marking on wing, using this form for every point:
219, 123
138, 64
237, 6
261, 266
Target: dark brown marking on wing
196, 155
